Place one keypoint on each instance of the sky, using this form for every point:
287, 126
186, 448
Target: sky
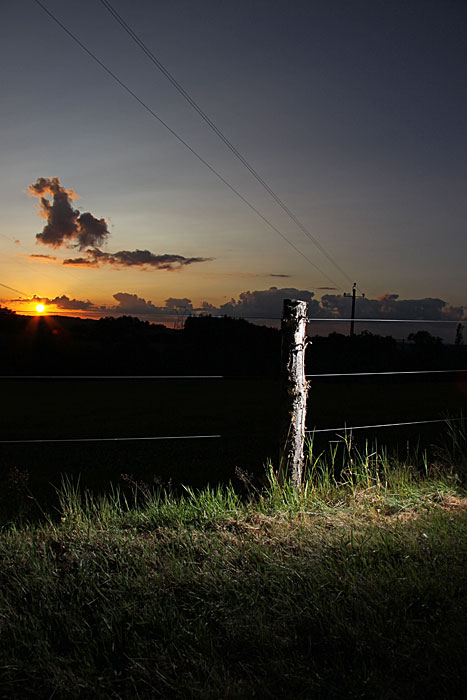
353, 113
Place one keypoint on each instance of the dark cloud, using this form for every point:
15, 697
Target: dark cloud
63, 302
389, 306
266, 303
40, 257
133, 258
65, 225
133, 304
179, 305
276, 275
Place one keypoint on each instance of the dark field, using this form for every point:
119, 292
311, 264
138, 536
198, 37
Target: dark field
245, 412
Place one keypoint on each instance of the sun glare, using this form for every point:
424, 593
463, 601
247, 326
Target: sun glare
40, 308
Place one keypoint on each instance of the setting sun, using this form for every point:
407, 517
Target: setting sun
40, 308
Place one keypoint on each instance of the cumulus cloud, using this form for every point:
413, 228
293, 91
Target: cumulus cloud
265, 303
390, 306
132, 304
63, 302
132, 258
68, 227
65, 225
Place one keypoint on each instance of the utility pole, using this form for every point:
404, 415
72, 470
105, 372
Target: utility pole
352, 315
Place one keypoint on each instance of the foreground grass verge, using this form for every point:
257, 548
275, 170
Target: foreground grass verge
353, 589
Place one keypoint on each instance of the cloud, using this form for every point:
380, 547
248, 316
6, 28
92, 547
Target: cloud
177, 305
65, 225
265, 303
389, 306
276, 275
135, 305
63, 302
38, 256
132, 304
132, 258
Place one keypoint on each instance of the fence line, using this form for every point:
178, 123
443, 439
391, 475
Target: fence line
112, 376
383, 320
325, 319
219, 376
115, 439
381, 425
245, 317
331, 319
378, 374
209, 377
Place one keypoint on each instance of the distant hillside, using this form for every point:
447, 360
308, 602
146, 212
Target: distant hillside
206, 345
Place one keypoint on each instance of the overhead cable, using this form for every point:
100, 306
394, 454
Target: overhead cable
12, 289
220, 134
181, 140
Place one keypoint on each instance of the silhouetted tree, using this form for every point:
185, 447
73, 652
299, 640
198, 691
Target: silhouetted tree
459, 335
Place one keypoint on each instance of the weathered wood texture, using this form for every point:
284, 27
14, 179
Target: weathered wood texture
294, 389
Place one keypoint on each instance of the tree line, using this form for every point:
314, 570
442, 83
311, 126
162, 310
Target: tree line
205, 345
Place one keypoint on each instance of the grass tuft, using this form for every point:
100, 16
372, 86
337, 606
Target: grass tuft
354, 587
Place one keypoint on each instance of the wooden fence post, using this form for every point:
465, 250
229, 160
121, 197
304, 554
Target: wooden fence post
294, 389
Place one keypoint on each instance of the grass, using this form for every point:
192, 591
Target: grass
353, 588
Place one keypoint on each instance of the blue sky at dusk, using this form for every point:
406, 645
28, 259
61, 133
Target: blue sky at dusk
354, 113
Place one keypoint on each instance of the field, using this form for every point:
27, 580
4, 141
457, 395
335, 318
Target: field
245, 412
352, 589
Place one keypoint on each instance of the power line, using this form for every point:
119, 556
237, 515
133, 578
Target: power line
220, 134
12, 289
181, 140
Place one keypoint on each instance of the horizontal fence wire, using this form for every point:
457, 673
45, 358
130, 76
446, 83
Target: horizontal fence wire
114, 439
111, 376
331, 320
327, 319
221, 376
383, 320
377, 374
346, 428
